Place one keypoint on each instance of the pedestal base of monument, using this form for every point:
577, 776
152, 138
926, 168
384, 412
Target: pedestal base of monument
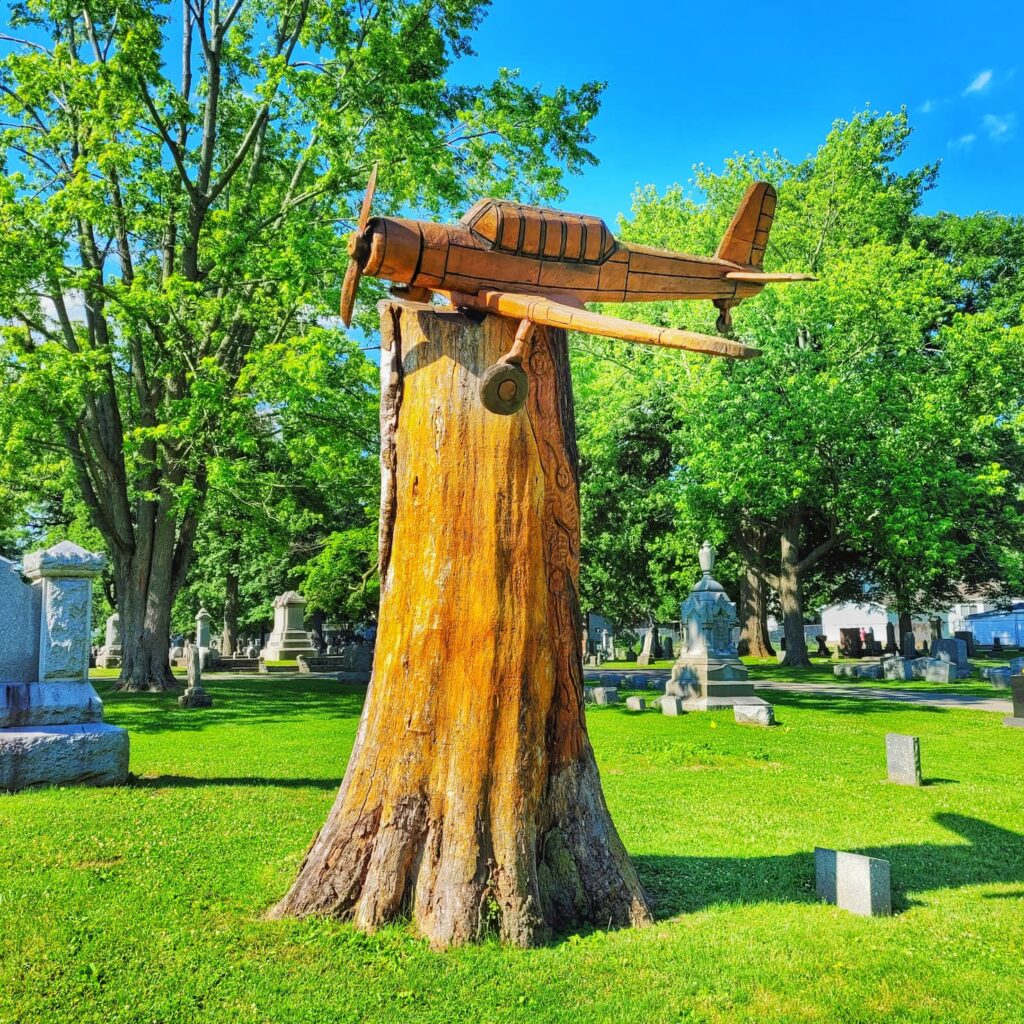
1014, 723
90, 754
195, 698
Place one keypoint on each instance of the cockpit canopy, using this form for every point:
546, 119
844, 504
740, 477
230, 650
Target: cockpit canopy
540, 233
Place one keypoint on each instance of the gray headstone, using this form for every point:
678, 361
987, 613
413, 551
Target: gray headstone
671, 705
19, 611
903, 759
909, 646
606, 695
1017, 688
1016, 666
940, 671
897, 668
853, 882
754, 714
588, 695
636, 703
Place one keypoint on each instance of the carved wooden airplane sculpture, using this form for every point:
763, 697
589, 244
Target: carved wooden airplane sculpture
539, 266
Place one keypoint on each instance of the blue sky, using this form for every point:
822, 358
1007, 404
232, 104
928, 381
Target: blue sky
691, 83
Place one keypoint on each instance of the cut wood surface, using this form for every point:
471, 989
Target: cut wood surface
472, 802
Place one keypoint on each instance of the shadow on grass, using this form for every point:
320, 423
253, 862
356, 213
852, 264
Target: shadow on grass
190, 782
245, 700
680, 885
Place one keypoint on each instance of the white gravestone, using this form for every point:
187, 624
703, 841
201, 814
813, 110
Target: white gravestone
111, 651
289, 638
51, 719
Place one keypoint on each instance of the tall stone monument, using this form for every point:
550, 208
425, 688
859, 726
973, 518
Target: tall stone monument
110, 653
708, 673
208, 655
289, 639
51, 719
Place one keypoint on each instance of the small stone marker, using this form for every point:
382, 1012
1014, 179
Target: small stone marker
671, 705
636, 703
903, 758
754, 714
1017, 718
194, 696
588, 695
853, 882
606, 695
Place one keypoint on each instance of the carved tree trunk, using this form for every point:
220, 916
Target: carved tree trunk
472, 802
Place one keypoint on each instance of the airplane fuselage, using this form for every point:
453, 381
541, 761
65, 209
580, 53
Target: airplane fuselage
507, 247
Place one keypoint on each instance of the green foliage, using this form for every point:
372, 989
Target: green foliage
171, 235
883, 414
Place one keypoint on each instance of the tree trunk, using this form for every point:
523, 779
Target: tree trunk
145, 610
229, 638
754, 641
791, 595
472, 802
906, 626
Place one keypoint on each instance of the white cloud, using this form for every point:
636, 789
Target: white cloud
964, 142
980, 83
928, 106
1000, 129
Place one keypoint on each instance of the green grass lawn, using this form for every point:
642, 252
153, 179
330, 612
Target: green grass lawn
145, 903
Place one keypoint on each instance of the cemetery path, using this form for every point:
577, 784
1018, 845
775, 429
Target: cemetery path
928, 698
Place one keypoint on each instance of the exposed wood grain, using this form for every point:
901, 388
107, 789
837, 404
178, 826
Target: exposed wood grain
472, 800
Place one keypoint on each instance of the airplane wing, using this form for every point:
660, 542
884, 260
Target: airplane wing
540, 310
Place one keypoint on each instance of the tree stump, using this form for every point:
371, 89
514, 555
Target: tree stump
472, 803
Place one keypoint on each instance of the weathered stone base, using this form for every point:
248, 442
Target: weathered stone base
754, 714
1014, 723
719, 701
195, 699
25, 705
94, 754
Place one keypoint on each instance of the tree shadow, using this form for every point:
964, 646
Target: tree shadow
242, 700
680, 885
190, 782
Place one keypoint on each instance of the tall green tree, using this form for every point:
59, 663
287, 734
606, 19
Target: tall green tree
177, 184
862, 427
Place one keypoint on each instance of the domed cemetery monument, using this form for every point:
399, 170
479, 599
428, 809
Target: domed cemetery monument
708, 673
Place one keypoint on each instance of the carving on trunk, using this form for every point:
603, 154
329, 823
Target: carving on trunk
472, 801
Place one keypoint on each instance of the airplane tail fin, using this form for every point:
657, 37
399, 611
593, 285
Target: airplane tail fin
746, 237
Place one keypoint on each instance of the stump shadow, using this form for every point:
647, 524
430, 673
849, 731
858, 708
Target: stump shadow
683, 884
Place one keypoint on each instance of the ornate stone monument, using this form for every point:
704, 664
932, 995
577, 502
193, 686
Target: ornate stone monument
51, 719
289, 639
708, 673
208, 655
110, 653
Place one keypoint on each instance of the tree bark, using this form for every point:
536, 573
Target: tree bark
229, 637
754, 639
145, 610
472, 802
791, 597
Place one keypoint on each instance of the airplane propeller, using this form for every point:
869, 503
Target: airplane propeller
359, 253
